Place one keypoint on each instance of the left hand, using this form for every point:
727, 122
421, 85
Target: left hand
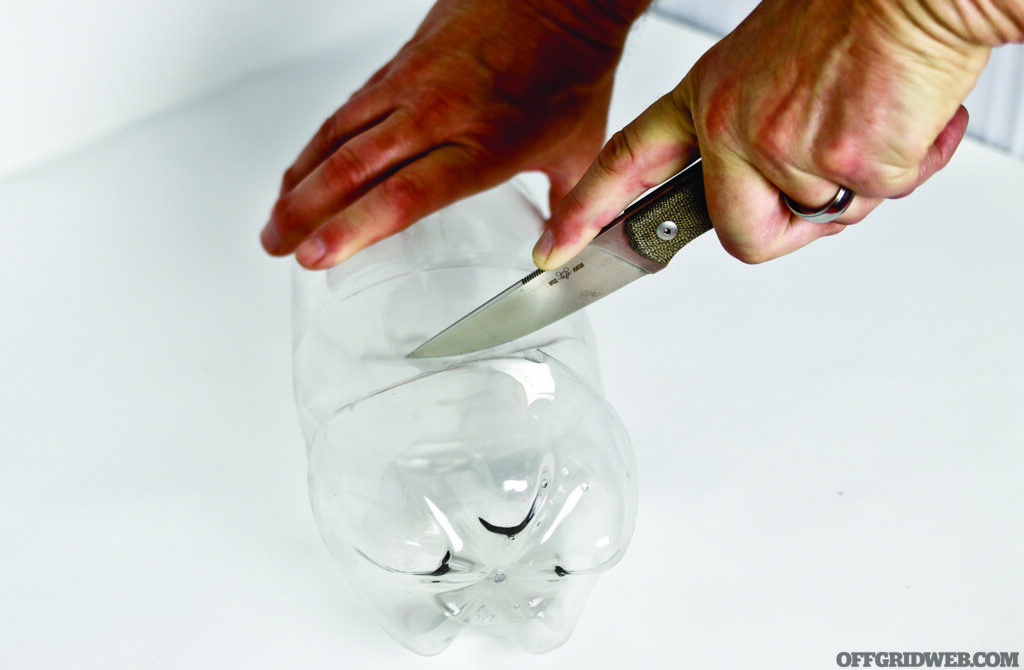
804, 96
482, 91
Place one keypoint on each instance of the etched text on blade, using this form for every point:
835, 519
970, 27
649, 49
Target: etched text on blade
539, 299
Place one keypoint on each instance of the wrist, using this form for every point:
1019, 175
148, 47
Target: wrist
603, 24
982, 23
929, 35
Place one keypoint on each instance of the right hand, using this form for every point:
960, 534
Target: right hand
804, 96
482, 91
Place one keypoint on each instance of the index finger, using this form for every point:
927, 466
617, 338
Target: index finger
656, 145
364, 110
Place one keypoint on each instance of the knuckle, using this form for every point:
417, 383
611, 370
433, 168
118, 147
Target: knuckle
335, 238
572, 210
717, 113
771, 143
843, 159
403, 193
419, 122
867, 170
572, 218
717, 117
619, 156
325, 135
432, 109
899, 182
343, 169
284, 216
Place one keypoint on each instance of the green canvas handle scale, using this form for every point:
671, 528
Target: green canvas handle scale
670, 217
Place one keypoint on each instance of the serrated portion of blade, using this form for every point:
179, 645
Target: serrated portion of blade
539, 299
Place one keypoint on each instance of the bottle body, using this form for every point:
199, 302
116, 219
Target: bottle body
487, 490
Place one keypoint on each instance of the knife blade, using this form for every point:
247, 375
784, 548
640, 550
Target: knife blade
640, 241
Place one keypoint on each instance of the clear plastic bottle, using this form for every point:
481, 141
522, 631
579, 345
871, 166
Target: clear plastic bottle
486, 490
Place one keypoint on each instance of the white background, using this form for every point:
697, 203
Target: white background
829, 445
74, 71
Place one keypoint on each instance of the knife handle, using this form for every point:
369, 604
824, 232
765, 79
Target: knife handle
670, 217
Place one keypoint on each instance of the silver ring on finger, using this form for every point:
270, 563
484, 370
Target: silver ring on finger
827, 214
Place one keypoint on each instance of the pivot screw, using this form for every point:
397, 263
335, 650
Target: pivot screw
667, 230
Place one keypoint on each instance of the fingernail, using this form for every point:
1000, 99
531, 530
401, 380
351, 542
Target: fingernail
311, 251
542, 249
269, 238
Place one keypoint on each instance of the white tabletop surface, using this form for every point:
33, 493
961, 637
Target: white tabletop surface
831, 446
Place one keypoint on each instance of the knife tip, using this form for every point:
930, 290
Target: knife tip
432, 349
424, 351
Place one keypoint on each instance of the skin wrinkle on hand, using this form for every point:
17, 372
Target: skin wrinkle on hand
989, 23
804, 96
